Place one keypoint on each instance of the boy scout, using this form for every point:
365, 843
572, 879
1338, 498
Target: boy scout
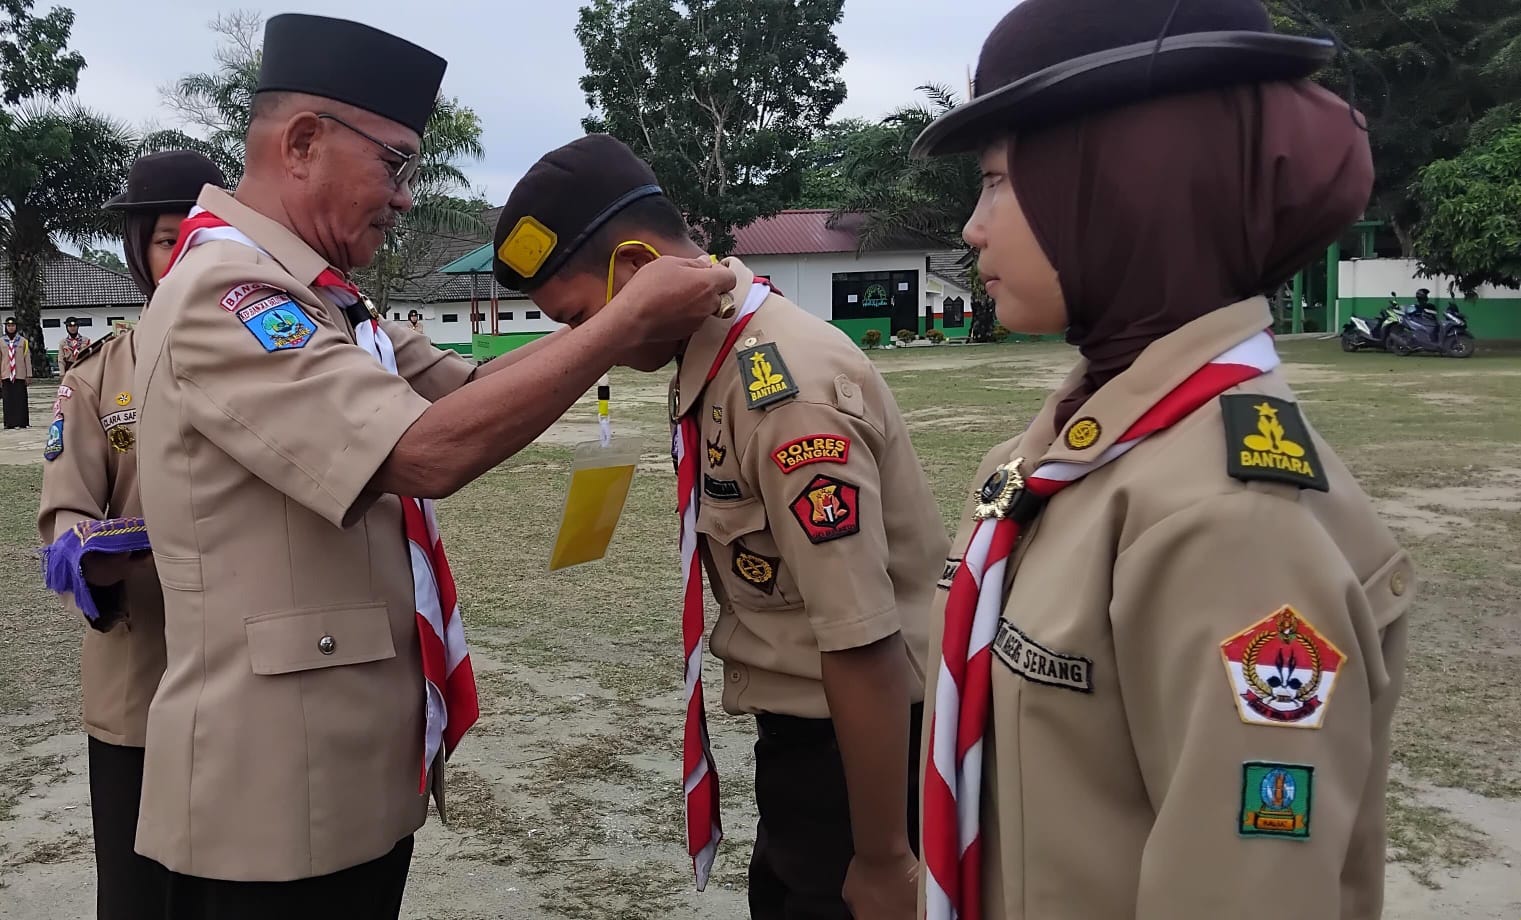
73, 343
290, 441
90, 474
1173, 626
814, 522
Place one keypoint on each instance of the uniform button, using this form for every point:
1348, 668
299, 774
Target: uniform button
847, 390
327, 645
1397, 583
750, 342
735, 674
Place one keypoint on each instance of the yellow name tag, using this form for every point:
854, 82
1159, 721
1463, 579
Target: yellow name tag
600, 478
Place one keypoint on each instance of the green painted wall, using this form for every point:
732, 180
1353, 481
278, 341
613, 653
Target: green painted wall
1490, 318
484, 347
856, 328
463, 348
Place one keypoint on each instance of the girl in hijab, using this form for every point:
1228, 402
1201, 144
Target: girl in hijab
90, 475
1173, 628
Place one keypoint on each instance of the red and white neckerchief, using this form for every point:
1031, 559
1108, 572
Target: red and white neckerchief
449, 681
963, 693
11, 344
699, 773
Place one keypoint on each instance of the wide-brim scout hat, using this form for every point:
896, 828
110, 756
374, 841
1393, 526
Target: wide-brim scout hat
565, 198
167, 181
1052, 60
351, 63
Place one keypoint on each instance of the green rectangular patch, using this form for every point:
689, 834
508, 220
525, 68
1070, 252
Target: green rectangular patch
1275, 800
766, 377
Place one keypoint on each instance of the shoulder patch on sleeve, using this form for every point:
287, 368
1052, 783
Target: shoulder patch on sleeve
1267, 439
1276, 799
247, 292
1281, 671
278, 322
828, 509
815, 448
53, 449
765, 376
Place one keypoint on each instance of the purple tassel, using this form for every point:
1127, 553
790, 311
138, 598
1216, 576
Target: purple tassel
63, 564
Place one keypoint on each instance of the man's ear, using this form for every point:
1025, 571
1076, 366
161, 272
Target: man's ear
635, 257
299, 143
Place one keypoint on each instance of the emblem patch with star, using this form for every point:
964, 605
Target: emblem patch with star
1281, 671
1267, 439
755, 569
828, 509
1275, 800
765, 375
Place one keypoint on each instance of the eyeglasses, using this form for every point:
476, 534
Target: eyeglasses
404, 171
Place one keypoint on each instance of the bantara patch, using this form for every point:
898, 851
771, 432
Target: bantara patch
278, 322
815, 448
1281, 671
755, 569
1266, 439
827, 509
721, 489
1034, 662
1275, 800
765, 376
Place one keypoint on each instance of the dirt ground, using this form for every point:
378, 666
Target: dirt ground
565, 797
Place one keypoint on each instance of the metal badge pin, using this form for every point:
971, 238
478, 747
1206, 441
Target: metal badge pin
998, 494
725, 307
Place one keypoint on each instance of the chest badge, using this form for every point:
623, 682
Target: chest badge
766, 377
122, 438
755, 569
716, 452
1268, 440
1084, 433
996, 497
124, 398
1281, 671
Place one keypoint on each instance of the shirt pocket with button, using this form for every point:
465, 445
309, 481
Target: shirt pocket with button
742, 549
288, 641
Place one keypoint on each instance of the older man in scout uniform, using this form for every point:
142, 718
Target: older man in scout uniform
71, 346
290, 442
799, 487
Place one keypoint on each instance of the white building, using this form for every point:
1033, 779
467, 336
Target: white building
93, 294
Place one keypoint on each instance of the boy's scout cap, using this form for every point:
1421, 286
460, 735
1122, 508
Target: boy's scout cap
567, 196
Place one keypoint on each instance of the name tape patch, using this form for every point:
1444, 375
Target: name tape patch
815, 448
242, 292
1038, 664
721, 489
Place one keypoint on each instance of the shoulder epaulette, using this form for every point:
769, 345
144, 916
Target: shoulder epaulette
92, 349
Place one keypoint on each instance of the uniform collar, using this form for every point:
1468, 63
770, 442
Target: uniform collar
294, 255
702, 348
1119, 403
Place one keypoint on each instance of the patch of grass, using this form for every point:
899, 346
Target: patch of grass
21, 776
51, 852
1426, 839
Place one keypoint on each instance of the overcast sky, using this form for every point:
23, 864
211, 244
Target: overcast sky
516, 62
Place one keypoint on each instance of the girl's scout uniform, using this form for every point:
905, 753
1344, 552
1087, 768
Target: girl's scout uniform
1171, 633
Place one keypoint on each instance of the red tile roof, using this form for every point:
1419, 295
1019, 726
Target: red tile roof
807, 231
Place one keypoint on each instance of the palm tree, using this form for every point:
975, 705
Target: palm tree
899, 196
66, 161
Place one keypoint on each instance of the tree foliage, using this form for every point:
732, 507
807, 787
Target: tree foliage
105, 258
1472, 206
35, 62
721, 97
215, 108
1429, 74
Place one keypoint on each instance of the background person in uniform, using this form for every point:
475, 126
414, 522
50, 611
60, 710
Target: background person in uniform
1195, 669
281, 468
819, 533
15, 371
90, 474
73, 343
414, 321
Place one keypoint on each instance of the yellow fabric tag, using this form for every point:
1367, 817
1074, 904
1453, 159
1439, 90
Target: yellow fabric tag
527, 247
600, 479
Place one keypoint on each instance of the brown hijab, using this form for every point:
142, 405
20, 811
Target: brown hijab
1158, 213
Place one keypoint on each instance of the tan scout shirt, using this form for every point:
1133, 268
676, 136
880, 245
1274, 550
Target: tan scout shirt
95, 478
287, 732
819, 532
1126, 774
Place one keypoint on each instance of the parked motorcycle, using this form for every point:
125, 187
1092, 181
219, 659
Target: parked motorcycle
1362, 332
1423, 331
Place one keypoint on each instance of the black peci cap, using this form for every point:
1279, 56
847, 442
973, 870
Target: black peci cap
351, 63
170, 179
1052, 60
568, 195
